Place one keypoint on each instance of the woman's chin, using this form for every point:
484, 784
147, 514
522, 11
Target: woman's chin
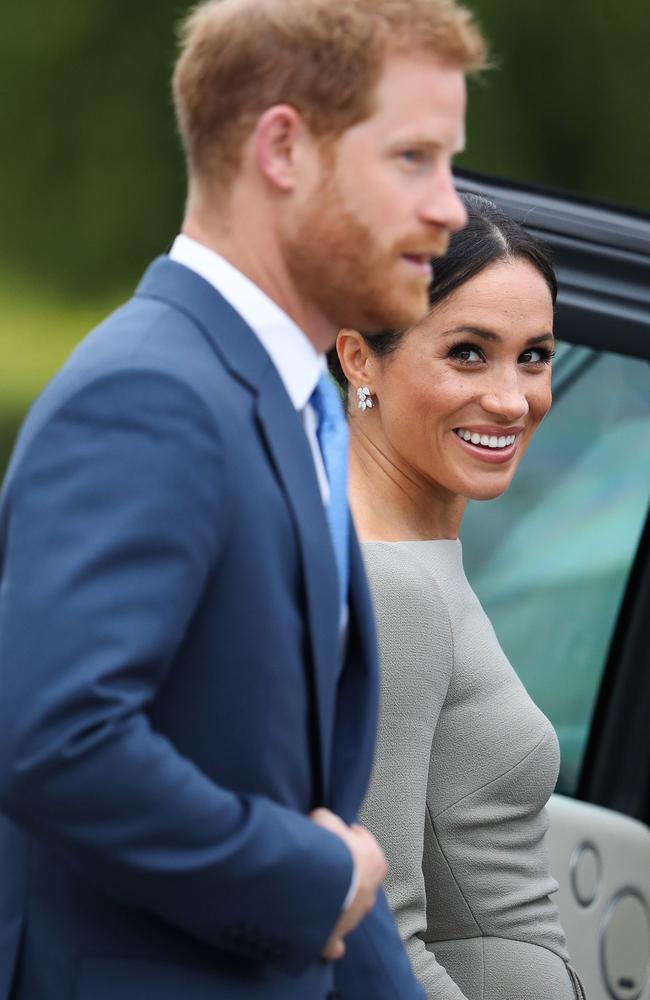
488, 491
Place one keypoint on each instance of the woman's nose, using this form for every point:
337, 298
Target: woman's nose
505, 398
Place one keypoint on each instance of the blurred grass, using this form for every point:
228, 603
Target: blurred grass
38, 330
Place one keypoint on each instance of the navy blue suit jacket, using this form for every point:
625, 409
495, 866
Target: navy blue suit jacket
172, 701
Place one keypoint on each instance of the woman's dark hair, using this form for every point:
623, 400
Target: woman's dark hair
488, 237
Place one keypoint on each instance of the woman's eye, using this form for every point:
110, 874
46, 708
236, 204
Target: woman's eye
466, 353
537, 356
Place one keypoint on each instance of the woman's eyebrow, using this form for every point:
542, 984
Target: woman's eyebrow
486, 334
475, 331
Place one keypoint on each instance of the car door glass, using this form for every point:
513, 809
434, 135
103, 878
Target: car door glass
550, 559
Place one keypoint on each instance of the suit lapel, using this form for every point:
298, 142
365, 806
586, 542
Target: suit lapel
294, 467
358, 696
288, 448
224, 329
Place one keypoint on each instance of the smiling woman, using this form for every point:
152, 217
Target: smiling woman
465, 762
459, 395
476, 371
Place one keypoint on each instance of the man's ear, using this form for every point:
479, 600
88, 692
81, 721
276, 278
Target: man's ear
277, 135
355, 357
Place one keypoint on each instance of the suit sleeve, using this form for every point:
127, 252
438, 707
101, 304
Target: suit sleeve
116, 507
375, 965
416, 662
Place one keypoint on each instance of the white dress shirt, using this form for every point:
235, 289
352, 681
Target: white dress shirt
298, 363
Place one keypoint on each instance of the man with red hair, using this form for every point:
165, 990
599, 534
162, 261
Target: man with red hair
188, 681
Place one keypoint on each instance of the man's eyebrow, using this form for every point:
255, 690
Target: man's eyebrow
417, 139
428, 142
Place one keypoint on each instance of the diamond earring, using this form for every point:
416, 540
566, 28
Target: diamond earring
364, 398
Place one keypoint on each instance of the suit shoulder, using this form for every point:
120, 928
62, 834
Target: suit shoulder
146, 335
149, 344
141, 373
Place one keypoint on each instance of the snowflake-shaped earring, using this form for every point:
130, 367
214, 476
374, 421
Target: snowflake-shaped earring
364, 398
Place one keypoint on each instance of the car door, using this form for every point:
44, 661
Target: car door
561, 564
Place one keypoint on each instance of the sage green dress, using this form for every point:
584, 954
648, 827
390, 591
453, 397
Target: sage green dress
465, 764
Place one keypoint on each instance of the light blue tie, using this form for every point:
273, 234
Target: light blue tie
332, 436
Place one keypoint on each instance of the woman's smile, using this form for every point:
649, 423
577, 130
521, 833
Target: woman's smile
489, 443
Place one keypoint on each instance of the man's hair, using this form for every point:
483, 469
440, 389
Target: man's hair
323, 57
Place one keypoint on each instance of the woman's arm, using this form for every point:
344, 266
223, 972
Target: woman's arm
416, 662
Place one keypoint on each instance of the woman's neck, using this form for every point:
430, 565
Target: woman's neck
391, 502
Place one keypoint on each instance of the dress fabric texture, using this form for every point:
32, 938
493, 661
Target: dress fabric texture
464, 767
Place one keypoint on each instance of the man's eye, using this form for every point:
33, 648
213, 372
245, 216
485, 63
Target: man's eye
415, 156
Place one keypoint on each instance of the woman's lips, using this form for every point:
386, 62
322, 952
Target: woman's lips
492, 455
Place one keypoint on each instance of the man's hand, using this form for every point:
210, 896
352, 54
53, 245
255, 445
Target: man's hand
370, 868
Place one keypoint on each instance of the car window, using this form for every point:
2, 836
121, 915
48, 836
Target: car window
550, 559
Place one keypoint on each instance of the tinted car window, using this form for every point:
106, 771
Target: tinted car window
550, 559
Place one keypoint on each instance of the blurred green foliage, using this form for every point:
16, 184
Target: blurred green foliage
38, 329
92, 177
567, 103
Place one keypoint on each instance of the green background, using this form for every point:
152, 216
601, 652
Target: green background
92, 179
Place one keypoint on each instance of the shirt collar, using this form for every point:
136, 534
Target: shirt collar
298, 363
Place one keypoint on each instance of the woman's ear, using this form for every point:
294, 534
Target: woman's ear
355, 358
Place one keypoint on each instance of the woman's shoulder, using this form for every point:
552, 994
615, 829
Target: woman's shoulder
414, 581
413, 619
404, 568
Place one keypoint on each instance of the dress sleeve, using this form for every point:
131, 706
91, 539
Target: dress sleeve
416, 655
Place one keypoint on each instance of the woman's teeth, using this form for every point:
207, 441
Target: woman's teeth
487, 440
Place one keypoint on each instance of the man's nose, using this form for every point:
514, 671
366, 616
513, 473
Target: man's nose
443, 207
